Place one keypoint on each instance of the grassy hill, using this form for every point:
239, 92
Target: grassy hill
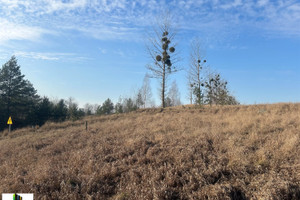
228, 152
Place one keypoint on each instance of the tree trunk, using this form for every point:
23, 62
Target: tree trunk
163, 86
199, 85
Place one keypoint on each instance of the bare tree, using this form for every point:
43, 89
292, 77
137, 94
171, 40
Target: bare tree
190, 95
146, 91
195, 74
160, 50
174, 95
139, 102
70, 102
88, 109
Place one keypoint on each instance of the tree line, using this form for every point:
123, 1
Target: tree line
19, 99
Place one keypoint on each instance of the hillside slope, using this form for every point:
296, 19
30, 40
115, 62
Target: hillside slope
229, 152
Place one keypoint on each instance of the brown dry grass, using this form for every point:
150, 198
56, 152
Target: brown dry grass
229, 152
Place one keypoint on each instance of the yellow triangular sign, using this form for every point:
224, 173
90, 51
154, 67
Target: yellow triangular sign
9, 121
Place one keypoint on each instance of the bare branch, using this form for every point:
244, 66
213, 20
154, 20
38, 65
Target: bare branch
163, 54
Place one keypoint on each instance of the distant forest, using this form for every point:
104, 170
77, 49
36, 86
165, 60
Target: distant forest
19, 100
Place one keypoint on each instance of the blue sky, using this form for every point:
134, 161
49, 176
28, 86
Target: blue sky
94, 49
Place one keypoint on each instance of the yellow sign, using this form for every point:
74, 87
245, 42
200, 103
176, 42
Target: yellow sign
9, 121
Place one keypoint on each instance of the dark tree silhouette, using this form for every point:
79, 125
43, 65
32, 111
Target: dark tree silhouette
18, 96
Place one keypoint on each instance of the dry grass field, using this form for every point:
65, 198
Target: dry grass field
219, 152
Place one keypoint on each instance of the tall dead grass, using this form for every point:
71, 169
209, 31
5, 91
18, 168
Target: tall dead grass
228, 152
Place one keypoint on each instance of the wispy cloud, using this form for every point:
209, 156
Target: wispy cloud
233, 4
12, 31
39, 56
121, 19
50, 56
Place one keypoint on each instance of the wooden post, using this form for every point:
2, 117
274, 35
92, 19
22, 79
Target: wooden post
86, 125
9, 128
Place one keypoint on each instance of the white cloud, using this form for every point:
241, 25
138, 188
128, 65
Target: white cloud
41, 56
42, 6
13, 31
121, 19
50, 56
57, 5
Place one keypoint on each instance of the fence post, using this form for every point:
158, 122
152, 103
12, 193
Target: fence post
86, 125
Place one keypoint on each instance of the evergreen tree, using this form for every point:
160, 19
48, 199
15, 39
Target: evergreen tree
209, 91
18, 96
129, 105
119, 106
44, 111
217, 92
60, 111
74, 113
80, 113
106, 108
3, 116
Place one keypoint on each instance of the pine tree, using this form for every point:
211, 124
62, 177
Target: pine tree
60, 111
119, 107
129, 105
217, 91
74, 113
106, 108
18, 96
44, 111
